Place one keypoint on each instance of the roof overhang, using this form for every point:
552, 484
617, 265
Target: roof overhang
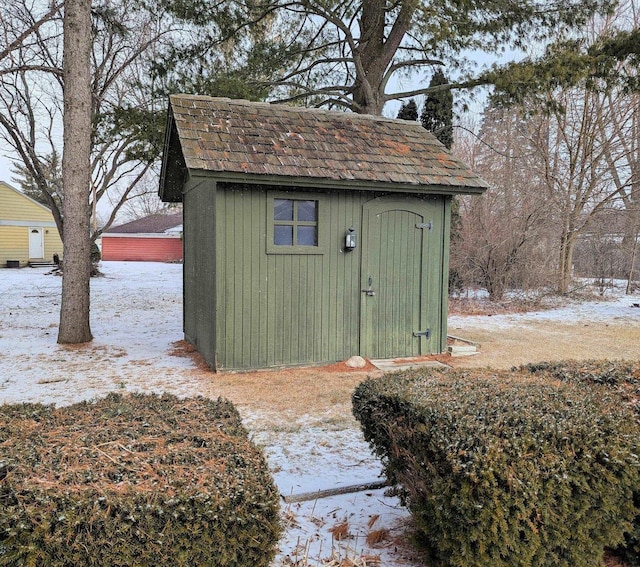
173, 173
314, 183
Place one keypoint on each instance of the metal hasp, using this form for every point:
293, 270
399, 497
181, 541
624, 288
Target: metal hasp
427, 225
426, 334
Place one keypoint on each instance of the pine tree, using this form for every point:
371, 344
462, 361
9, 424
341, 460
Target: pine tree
437, 113
408, 111
349, 54
76, 173
51, 175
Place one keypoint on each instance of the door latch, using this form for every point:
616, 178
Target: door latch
369, 290
426, 334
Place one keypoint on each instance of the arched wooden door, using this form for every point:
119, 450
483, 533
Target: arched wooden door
395, 278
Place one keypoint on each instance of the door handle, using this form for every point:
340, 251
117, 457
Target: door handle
369, 290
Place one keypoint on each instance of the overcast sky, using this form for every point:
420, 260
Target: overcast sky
5, 169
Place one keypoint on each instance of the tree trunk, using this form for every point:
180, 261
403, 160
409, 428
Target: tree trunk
375, 52
631, 227
76, 174
630, 275
567, 245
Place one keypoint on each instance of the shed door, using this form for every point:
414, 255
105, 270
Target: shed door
394, 279
36, 246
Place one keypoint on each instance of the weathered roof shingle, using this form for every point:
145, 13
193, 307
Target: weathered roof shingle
241, 138
152, 224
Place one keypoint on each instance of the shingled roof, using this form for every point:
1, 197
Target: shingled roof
268, 143
152, 224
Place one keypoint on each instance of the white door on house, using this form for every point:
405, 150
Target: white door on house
36, 243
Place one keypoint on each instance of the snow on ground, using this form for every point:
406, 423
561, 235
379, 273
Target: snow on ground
613, 307
136, 315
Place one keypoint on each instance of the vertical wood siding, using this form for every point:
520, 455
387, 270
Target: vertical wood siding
442, 302
199, 271
405, 260
283, 309
393, 260
286, 309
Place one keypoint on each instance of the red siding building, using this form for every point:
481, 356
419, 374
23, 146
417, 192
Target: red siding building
156, 238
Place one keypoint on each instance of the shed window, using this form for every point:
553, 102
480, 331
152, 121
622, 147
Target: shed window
295, 222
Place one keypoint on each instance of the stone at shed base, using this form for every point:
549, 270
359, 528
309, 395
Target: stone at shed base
356, 362
462, 350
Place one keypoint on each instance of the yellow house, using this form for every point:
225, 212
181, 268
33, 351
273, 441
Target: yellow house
28, 231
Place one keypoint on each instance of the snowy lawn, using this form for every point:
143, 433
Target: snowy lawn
137, 318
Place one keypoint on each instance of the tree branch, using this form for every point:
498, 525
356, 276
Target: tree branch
19, 40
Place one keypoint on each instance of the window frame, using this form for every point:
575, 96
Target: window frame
273, 248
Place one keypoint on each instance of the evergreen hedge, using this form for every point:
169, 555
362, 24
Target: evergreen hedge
506, 469
137, 480
622, 377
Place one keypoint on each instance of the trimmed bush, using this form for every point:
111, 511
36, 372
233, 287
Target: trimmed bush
505, 469
603, 372
137, 480
623, 377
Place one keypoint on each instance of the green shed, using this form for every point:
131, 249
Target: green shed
309, 236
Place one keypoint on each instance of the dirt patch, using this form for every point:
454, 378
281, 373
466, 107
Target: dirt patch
299, 392
284, 394
184, 349
536, 341
325, 391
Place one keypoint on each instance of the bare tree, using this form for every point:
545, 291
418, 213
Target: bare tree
599, 253
502, 241
554, 174
23, 25
587, 153
28, 70
619, 131
129, 81
31, 98
581, 97
619, 123
569, 160
146, 202
43, 97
